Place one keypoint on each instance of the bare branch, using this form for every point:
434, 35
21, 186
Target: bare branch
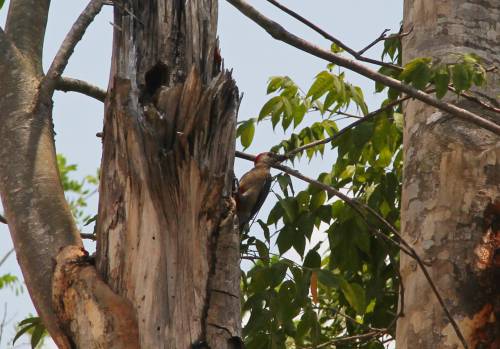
3, 219
66, 84
383, 37
4, 258
280, 33
26, 23
330, 37
476, 100
72, 38
355, 338
3, 323
88, 236
358, 207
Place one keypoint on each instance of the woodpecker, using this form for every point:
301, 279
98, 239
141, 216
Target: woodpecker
254, 187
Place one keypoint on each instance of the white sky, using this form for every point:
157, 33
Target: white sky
246, 48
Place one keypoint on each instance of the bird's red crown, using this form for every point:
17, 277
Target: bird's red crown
259, 157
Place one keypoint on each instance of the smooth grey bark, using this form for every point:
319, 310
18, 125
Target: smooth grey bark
39, 218
451, 186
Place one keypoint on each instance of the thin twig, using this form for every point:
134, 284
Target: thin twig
359, 337
330, 37
3, 323
66, 84
383, 37
280, 33
71, 40
358, 206
4, 258
476, 100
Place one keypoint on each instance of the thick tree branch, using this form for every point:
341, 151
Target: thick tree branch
66, 84
281, 34
328, 36
72, 38
359, 207
9, 53
26, 23
40, 219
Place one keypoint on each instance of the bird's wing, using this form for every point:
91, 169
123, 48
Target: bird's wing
262, 196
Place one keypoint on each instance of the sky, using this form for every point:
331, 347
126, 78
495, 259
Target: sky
246, 48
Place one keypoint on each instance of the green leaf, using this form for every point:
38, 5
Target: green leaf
285, 181
265, 229
317, 199
270, 106
441, 81
312, 260
298, 114
479, 76
321, 85
26, 325
275, 214
357, 96
285, 239
2, 2
355, 295
262, 250
246, 131
398, 121
327, 278
417, 72
290, 208
37, 335
299, 242
461, 77
275, 83
90, 220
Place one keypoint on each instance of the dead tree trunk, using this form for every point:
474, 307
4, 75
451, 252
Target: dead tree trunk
451, 197
166, 235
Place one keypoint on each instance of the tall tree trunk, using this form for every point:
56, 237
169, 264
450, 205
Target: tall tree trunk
451, 197
166, 235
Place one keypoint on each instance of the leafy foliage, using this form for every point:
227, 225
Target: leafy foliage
35, 328
77, 191
461, 75
347, 283
11, 281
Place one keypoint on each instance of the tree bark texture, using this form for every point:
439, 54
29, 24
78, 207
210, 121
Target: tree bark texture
451, 196
39, 217
166, 233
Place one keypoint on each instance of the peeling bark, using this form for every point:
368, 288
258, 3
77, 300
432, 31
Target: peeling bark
166, 235
451, 176
92, 314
